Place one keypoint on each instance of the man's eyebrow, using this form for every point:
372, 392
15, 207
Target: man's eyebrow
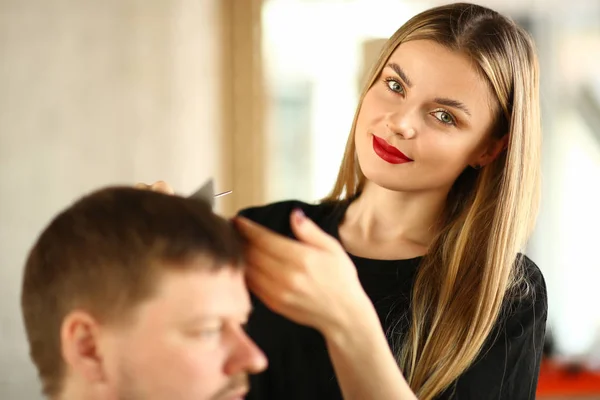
400, 73
452, 103
213, 316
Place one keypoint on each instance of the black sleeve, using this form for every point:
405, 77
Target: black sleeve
270, 331
509, 364
275, 216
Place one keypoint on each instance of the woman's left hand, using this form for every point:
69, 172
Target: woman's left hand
311, 281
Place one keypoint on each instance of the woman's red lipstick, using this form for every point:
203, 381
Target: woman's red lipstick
387, 152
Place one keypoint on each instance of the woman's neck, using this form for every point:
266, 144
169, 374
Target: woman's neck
380, 214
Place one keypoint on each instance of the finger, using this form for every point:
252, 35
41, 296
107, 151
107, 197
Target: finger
265, 288
308, 232
269, 264
162, 187
141, 186
267, 240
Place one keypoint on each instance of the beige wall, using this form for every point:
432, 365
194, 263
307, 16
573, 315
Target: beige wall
95, 93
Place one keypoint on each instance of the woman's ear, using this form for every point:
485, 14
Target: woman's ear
493, 149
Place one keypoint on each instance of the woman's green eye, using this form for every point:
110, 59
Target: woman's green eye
395, 86
445, 117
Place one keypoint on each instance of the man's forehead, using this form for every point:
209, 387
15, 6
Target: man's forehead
210, 290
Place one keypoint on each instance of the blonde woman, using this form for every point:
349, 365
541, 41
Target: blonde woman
407, 281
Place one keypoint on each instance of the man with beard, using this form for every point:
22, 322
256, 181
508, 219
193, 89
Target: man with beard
134, 294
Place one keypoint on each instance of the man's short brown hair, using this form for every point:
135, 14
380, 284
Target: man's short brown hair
103, 254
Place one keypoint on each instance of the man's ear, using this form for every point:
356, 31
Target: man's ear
491, 151
80, 339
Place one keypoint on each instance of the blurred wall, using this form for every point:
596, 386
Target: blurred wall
95, 93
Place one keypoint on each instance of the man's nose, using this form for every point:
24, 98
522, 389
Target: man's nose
245, 356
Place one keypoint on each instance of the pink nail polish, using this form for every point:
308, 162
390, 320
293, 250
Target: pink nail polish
298, 215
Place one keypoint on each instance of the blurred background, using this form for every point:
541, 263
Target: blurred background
260, 95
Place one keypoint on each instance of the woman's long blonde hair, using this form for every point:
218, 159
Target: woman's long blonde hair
470, 268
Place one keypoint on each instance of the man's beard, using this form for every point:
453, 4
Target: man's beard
129, 388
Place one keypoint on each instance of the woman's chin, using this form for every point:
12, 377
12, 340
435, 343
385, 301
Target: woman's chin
390, 181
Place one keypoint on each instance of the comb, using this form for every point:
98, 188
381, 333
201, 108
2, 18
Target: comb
207, 193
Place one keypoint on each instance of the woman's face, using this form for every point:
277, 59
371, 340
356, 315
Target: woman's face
425, 119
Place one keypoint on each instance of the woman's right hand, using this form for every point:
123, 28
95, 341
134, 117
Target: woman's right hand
158, 186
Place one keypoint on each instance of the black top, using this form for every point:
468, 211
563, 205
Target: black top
299, 365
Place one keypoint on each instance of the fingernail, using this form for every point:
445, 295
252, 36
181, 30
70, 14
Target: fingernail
298, 215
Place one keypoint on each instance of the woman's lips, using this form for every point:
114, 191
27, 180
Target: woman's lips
389, 153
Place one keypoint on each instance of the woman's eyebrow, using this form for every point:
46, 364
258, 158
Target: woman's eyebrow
440, 100
400, 73
452, 103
